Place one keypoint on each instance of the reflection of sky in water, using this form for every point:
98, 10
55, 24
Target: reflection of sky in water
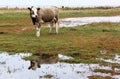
68, 22
13, 67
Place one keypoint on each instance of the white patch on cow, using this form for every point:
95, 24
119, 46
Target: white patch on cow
34, 9
41, 21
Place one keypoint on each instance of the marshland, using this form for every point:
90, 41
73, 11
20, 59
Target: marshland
91, 45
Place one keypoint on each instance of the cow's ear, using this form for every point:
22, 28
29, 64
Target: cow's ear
29, 8
38, 8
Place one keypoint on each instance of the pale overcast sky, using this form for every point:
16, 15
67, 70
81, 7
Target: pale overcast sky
74, 3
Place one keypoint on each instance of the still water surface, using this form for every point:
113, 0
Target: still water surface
69, 22
14, 67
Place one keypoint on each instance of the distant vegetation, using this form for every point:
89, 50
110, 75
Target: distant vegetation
99, 7
73, 8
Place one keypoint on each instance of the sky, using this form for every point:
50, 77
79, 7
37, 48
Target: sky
69, 3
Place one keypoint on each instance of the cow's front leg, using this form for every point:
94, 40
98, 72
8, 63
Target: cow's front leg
38, 28
38, 31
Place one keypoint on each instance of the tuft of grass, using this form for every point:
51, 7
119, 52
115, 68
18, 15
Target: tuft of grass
99, 77
112, 72
47, 76
34, 58
80, 60
112, 65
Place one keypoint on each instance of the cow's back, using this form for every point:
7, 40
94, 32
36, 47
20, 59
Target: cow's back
48, 14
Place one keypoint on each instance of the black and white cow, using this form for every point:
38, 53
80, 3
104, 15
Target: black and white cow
44, 15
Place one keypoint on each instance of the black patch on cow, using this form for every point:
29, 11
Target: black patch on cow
29, 8
38, 8
34, 20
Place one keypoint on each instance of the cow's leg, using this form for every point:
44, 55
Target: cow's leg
57, 26
38, 31
57, 23
51, 26
38, 28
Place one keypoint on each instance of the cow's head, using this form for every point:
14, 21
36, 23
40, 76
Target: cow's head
33, 11
33, 14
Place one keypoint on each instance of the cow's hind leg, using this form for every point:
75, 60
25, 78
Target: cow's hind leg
51, 26
57, 23
57, 27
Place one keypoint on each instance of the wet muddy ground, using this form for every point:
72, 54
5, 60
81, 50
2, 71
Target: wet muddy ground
14, 67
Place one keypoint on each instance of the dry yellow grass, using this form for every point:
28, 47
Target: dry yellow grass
2, 11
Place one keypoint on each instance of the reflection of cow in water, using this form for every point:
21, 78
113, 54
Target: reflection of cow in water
43, 59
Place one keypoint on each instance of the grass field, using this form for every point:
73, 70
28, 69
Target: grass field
87, 41
20, 17
83, 42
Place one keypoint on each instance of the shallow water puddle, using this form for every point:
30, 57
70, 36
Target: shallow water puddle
14, 67
115, 60
69, 22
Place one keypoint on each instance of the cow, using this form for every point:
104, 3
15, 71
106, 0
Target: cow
44, 15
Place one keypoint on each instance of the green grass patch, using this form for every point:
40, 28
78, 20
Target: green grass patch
64, 13
82, 42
